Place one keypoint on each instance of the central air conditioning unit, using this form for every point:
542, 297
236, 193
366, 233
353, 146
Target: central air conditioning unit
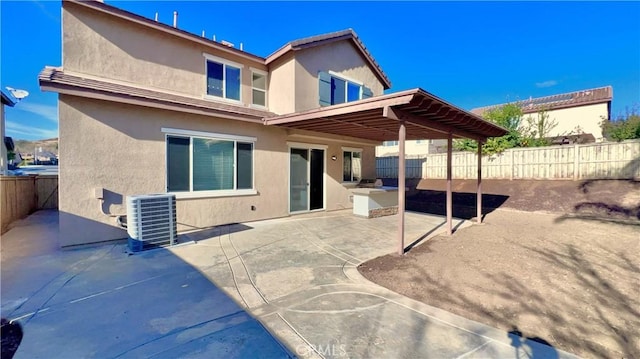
151, 221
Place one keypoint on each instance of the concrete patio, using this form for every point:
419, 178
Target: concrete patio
298, 276
100, 302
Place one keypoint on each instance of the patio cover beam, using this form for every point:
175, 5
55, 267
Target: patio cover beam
429, 125
342, 109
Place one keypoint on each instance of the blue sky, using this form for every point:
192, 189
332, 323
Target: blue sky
471, 54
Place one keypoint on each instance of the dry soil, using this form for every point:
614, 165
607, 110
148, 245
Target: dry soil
558, 260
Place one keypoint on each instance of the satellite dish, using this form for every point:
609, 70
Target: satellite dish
18, 94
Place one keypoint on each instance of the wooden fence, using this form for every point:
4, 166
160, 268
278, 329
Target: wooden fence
387, 167
607, 160
614, 160
22, 195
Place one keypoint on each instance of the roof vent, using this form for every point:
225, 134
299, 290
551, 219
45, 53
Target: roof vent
227, 43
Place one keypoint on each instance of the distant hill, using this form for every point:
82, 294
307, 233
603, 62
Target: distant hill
25, 146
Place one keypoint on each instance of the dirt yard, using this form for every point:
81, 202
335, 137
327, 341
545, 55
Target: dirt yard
569, 275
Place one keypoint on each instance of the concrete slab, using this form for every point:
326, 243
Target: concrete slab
101, 302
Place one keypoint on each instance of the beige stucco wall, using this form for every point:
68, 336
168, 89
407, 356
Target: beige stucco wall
340, 57
587, 117
293, 84
282, 85
121, 148
107, 46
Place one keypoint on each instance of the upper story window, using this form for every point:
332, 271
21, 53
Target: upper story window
335, 89
223, 78
390, 143
209, 163
258, 88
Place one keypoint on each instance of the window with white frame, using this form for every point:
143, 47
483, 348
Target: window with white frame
335, 89
258, 88
198, 162
351, 164
223, 78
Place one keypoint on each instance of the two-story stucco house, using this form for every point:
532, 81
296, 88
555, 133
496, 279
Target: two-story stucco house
148, 108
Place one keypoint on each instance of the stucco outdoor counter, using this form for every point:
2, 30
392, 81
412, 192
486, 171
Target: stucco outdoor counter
374, 202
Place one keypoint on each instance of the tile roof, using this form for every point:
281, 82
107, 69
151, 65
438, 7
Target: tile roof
554, 102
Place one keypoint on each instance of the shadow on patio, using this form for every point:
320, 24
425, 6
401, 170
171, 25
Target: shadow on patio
101, 301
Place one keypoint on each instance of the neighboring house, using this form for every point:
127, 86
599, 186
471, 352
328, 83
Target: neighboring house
6, 100
576, 113
579, 112
148, 108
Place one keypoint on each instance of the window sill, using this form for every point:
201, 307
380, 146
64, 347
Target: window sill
223, 100
215, 194
350, 184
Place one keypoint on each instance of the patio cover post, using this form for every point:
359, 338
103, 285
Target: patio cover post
402, 134
449, 194
479, 189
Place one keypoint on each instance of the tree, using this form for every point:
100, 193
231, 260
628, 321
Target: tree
623, 128
538, 130
508, 116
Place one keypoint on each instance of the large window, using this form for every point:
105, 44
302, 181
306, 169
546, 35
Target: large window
223, 78
198, 162
351, 165
258, 88
335, 89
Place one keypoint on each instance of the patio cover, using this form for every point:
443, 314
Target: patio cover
412, 114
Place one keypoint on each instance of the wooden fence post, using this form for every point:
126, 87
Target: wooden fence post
576, 163
513, 164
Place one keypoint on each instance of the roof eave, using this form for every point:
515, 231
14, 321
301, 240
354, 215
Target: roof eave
149, 98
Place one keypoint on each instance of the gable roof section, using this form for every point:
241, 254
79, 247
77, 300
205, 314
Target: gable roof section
555, 102
324, 39
57, 80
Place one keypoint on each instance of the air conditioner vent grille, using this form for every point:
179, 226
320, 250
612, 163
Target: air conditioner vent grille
151, 221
